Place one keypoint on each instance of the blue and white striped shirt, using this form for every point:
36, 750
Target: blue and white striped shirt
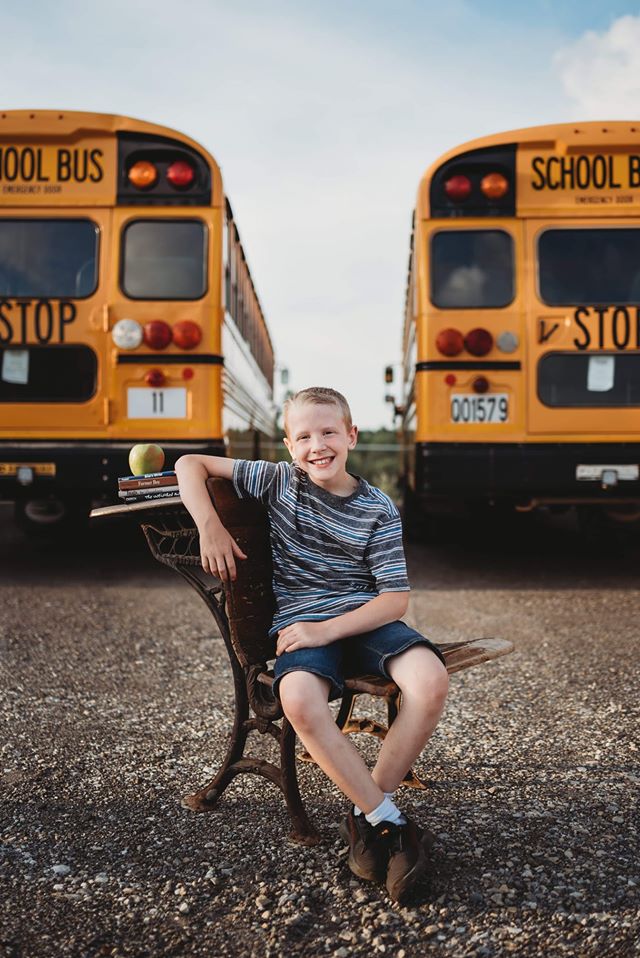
331, 554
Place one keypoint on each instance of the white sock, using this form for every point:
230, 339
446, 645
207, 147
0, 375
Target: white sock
387, 811
358, 811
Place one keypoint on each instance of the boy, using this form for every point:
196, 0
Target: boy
341, 588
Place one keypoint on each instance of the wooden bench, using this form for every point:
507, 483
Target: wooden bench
243, 611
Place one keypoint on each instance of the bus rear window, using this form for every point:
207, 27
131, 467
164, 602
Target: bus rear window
164, 259
589, 266
569, 379
471, 269
48, 259
48, 374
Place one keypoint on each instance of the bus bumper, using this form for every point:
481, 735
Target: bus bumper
31, 469
527, 474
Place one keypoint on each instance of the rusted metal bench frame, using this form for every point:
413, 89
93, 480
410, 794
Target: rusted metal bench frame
243, 611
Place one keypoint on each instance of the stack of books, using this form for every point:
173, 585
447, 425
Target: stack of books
152, 485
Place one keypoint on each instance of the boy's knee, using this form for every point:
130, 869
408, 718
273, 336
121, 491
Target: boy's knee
304, 698
421, 674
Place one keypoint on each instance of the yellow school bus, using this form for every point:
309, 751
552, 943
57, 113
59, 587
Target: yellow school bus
521, 344
127, 310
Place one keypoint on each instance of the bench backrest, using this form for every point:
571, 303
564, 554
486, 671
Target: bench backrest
250, 600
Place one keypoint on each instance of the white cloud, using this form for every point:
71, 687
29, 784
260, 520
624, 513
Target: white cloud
600, 72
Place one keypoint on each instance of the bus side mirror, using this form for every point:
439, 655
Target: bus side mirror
388, 374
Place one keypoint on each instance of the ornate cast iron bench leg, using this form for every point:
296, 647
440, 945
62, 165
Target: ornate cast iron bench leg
174, 547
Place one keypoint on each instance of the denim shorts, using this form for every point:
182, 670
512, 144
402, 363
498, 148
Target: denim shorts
364, 654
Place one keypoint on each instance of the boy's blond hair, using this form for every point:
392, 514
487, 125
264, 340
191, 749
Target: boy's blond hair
319, 396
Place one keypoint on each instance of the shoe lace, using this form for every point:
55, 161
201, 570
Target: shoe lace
390, 834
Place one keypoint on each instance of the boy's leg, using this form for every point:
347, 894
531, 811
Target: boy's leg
424, 682
304, 697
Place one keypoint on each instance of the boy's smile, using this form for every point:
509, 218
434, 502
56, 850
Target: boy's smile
319, 442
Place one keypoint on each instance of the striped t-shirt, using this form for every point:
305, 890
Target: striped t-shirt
331, 554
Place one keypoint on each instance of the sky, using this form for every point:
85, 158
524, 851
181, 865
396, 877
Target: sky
323, 116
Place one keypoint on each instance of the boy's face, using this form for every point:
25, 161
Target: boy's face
319, 441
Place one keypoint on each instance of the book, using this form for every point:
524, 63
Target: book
146, 494
149, 475
147, 482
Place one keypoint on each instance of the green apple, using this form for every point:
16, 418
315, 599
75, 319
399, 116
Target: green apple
146, 457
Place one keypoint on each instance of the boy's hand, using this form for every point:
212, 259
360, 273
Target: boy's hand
218, 552
303, 635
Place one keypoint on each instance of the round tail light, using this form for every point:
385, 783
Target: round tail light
155, 378
157, 334
450, 342
458, 188
127, 334
480, 384
479, 342
187, 334
494, 185
143, 174
181, 174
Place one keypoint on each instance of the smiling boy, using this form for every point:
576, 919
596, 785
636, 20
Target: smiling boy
341, 589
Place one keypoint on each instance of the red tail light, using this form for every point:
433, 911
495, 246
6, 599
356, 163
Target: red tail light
480, 384
449, 342
181, 174
479, 342
458, 188
157, 334
155, 378
187, 334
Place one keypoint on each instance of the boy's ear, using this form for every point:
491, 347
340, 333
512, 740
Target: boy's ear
353, 437
288, 444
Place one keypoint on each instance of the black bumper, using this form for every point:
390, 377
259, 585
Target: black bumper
92, 468
520, 472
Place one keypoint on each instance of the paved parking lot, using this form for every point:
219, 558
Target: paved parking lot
116, 697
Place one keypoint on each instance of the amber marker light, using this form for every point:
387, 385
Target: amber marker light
143, 174
458, 188
494, 186
155, 378
187, 334
181, 174
450, 342
157, 334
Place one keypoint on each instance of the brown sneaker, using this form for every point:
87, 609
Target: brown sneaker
367, 851
406, 856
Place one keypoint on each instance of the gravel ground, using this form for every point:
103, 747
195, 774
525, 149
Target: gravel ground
116, 700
